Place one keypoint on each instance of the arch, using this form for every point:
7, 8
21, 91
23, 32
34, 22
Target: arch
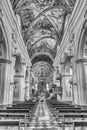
42, 38
42, 57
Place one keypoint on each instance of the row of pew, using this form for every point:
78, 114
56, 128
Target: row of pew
68, 116
18, 116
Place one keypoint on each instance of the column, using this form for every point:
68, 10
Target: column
82, 80
22, 81
5, 81
11, 86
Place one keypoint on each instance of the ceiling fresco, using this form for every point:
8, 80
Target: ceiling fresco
41, 18
42, 23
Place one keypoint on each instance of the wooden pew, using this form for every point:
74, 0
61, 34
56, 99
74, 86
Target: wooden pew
75, 124
19, 107
24, 105
14, 111
70, 116
81, 123
56, 111
23, 111
18, 125
68, 108
15, 116
72, 111
33, 107
27, 103
51, 105
58, 103
17, 111
12, 115
65, 107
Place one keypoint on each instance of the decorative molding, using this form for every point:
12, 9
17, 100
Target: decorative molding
20, 76
5, 61
81, 60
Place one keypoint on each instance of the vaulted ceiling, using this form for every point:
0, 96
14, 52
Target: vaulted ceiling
42, 25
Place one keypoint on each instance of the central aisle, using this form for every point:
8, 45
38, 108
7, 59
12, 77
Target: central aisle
43, 119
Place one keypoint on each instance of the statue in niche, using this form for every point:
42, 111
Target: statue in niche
16, 90
18, 65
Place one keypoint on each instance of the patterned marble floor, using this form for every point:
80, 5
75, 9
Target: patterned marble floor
43, 119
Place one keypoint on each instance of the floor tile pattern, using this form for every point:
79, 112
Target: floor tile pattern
43, 119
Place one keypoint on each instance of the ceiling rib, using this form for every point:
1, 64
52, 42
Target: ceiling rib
44, 11
48, 17
46, 37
